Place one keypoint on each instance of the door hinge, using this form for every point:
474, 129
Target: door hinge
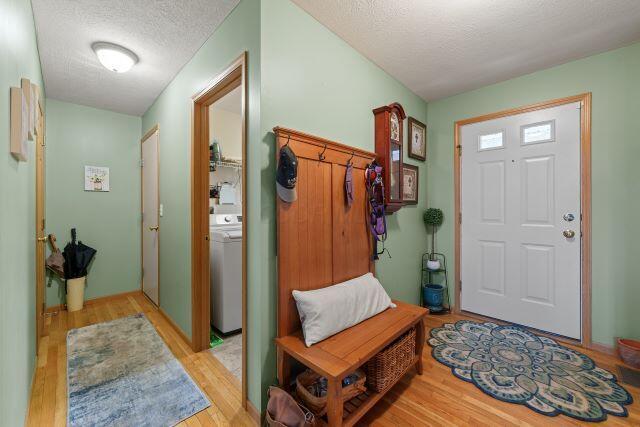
460, 217
141, 163
460, 285
143, 272
459, 147
44, 223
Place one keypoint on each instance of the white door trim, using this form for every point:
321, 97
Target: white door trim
585, 200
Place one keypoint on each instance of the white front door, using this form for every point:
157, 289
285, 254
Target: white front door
150, 217
520, 204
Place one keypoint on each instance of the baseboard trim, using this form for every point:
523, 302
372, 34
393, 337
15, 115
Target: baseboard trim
93, 301
175, 326
254, 413
604, 348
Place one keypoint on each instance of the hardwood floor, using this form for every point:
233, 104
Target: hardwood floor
438, 398
48, 405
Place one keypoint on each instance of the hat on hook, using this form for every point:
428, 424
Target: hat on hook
287, 175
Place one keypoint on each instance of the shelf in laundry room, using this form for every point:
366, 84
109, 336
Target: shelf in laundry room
228, 164
439, 270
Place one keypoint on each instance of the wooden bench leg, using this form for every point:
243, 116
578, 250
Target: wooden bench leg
334, 402
284, 369
420, 337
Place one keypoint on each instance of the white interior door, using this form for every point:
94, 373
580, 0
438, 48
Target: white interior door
150, 217
520, 204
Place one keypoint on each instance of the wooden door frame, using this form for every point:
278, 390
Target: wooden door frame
585, 201
235, 75
155, 128
40, 224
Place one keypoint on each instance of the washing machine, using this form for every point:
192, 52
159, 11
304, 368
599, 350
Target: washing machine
226, 271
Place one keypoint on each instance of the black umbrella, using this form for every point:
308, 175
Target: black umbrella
77, 257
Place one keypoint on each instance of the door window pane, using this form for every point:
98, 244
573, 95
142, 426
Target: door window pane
538, 132
491, 141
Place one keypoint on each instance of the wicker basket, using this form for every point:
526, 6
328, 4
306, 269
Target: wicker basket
391, 363
318, 405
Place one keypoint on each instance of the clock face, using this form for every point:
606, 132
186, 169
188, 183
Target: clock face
395, 127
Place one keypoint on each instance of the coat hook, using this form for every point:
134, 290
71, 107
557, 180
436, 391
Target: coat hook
353, 153
287, 143
321, 155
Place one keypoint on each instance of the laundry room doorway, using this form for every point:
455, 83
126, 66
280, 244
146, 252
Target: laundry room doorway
218, 208
225, 224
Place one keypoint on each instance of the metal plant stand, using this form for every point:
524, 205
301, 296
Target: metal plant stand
427, 275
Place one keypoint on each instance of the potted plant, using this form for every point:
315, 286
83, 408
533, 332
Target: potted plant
433, 218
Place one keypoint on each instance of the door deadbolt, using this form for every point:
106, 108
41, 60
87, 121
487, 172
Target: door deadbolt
569, 234
568, 217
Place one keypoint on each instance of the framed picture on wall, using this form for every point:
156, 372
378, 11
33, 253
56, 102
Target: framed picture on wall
417, 139
96, 178
410, 184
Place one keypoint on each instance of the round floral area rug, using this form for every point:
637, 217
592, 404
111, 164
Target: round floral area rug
512, 364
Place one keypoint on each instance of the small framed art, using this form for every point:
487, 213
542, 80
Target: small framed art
96, 178
410, 184
418, 139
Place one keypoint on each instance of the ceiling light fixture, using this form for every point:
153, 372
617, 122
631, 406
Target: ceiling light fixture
114, 57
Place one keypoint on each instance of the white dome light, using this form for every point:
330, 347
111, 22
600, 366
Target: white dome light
113, 57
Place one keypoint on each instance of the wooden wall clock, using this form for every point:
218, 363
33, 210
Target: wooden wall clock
389, 121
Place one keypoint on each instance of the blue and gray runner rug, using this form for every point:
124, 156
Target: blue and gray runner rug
120, 373
514, 365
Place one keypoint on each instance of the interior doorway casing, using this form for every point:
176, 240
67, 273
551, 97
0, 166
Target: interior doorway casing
585, 201
41, 238
232, 77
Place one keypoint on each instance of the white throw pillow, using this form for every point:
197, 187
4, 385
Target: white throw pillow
327, 311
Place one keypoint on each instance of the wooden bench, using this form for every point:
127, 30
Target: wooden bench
323, 241
338, 356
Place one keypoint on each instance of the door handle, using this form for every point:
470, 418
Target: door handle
42, 239
569, 234
154, 228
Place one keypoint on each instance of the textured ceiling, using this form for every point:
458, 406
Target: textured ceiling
165, 34
439, 48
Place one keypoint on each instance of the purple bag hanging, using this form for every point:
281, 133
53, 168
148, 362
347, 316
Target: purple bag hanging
377, 219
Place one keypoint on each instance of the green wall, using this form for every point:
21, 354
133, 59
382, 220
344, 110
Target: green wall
172, 111
18, 58
612, 77
109, 221
301, 76
316, 83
